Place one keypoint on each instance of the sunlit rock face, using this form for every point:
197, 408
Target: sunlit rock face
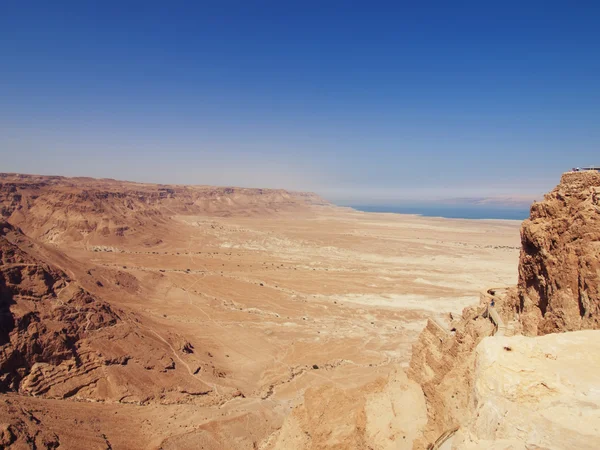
559, 269
535, 392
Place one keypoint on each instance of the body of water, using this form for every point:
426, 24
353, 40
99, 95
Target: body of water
453, 211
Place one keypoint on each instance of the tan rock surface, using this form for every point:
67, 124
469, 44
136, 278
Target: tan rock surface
541, 392
384, 414
442, 364
559, 268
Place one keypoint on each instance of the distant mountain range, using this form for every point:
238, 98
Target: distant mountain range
512, 201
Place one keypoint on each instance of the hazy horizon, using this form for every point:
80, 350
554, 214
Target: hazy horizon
368, 198
362, 105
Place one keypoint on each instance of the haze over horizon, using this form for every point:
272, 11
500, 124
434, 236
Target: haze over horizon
364, 104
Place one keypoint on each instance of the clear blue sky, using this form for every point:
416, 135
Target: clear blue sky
363, 102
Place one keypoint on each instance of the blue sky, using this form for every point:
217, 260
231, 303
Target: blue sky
363, 102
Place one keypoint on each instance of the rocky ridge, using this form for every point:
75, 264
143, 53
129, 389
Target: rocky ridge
67, 210
58, 340
44, 314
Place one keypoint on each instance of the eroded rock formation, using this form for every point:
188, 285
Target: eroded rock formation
442, 363
559, 269
42, 315
58, 340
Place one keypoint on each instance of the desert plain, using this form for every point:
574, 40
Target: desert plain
254, 315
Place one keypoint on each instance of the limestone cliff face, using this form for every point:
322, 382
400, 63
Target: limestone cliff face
559, 268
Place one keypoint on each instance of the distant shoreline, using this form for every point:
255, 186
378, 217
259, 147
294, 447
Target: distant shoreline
473, 212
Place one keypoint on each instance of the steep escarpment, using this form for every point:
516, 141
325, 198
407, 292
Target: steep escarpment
60, 209
559, 268
558, 290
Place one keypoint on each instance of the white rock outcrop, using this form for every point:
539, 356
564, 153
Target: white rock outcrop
535, 393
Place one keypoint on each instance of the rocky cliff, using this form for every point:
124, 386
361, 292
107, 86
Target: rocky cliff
558, 290
559, 269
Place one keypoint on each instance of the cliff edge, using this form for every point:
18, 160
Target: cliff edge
552, 401
557, 291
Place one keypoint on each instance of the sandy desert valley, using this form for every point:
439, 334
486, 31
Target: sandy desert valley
245, 309
150, 316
